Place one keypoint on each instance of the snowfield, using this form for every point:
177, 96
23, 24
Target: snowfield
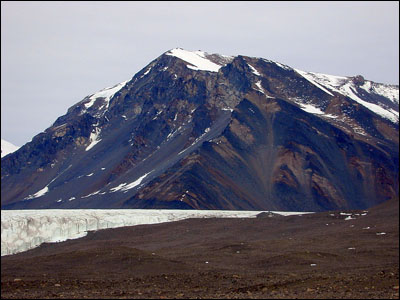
197, 60
106, 93
22, 230
7, 148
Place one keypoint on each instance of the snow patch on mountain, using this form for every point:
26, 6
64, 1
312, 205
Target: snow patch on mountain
92, 194
390, 114
285, 67
7, 148
44, 190
389, 91
254, 70
259, 87
126, 186
311, 109
201, 139
197, 60
94, 138
38, 194
331, 82
147, 72
310, 78
106, 93
346, 87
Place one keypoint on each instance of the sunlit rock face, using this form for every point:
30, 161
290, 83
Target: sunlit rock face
194, 130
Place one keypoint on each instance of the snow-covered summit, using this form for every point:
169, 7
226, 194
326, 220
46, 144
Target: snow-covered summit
7, 148
200, 60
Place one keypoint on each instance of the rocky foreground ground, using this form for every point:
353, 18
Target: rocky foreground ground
341, 254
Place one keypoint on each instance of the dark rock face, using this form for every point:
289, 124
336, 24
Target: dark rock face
225, 133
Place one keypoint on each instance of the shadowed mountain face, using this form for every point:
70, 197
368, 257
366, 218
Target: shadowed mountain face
194, 130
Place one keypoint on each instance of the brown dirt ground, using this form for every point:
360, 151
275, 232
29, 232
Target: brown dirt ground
311, 256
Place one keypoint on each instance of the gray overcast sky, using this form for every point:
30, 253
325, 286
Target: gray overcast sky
53, 54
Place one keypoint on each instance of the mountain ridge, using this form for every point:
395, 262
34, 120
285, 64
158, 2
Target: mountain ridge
154, 136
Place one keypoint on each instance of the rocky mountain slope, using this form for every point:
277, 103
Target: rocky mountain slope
207, 131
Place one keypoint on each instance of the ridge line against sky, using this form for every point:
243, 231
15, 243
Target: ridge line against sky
53, 54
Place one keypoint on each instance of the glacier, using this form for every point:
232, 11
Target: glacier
22, 230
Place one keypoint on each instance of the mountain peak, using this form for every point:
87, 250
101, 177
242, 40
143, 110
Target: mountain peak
200, 60
209, 131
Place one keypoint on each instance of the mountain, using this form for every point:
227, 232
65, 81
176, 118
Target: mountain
208, 131
7, 148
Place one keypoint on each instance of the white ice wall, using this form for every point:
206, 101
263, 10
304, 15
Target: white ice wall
22, 230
